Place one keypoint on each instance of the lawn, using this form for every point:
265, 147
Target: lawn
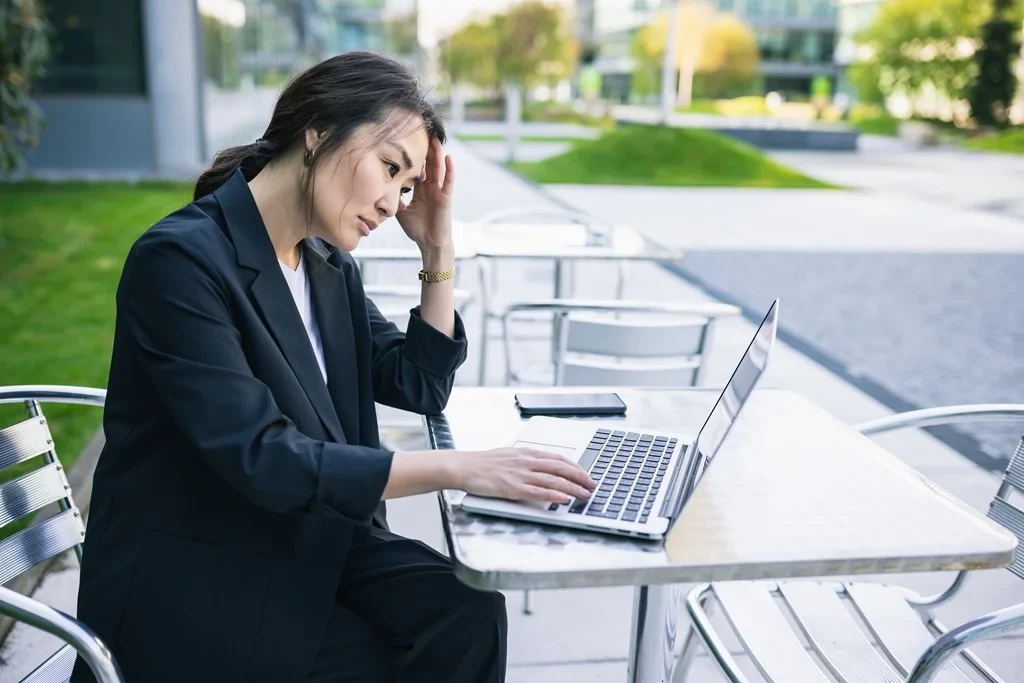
62, 246
659, 155
1007, 141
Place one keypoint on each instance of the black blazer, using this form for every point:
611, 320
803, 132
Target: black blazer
232, 476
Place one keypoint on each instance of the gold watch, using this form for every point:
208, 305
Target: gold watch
426, 276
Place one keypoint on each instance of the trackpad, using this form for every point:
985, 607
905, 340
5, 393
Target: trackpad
564, 451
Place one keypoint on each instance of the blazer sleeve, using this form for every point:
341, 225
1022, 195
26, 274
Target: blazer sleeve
415, 370
174, 305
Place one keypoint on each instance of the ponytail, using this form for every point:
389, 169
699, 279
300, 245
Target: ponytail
249, 158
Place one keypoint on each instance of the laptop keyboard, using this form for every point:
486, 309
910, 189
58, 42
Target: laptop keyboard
628, 468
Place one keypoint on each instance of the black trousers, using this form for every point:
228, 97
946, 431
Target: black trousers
402, 616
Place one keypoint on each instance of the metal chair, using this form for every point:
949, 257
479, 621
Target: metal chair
549, 219
619, 343
46, 538
394, 301
656, 344
917, 648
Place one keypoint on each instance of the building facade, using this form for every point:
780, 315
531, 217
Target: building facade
796, 39
141, 88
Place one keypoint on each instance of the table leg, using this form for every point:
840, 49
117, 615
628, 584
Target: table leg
652, 643
556, 342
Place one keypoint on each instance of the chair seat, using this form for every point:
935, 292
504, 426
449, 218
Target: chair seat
56, 669
878, 641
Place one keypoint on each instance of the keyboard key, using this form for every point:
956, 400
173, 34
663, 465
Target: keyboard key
595, 512
577, 506
629, 517
633, 507
553, 507
643, 517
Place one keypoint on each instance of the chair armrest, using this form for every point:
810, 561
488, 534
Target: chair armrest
942, 415
47, 393
710, 310
951, 643
70, 630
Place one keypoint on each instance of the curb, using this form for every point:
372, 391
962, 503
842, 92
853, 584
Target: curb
80, 478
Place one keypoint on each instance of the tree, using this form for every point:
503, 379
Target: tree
914, 45
534, 44
992, 92
24, 52
718, 49
467, 56
729, 59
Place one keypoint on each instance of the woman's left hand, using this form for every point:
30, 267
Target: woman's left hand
427, 219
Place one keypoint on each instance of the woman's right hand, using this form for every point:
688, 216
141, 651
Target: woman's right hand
524, 474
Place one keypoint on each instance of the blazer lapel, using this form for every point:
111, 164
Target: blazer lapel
273, 299
333, 308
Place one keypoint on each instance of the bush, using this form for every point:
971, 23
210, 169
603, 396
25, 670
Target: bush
874, 120
24, 52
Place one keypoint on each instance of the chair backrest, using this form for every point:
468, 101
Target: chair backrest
632, 350
36, 484
1005, 512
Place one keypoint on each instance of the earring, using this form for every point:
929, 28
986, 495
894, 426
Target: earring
307, 158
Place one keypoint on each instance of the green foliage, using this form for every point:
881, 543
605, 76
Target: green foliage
467, 56
534, 44
63, 249
992, 92
556, 112
1008, 142
874, 120
916, 44
529, 44
24, 53
668, 156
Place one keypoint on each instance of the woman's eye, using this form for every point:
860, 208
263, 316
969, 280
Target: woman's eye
406, 190
392, 168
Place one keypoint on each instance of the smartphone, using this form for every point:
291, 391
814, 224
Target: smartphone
577, 404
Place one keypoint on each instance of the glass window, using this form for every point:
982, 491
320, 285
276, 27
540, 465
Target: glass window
97, 48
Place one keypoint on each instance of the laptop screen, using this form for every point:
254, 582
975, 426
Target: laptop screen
730, 401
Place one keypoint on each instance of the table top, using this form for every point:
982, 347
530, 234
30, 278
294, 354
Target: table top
793, 492
569, 241
524, 241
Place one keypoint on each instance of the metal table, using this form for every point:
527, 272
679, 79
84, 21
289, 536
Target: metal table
793, 492
560, 243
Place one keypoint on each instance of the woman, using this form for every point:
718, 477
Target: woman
237, 531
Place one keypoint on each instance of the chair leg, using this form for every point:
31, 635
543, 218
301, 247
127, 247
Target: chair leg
717, 650
690, 643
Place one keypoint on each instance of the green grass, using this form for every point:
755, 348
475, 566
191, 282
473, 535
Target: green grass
62, 246
657, 155
522, 138
1007, 142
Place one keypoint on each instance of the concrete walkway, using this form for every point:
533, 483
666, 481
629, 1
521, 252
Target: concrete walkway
583, 635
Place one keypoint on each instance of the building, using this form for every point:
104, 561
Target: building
154, 87
796, 39
852, 17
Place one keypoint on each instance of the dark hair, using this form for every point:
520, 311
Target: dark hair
334, 98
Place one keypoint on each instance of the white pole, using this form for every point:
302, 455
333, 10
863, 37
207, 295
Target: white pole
513, 115
668, 63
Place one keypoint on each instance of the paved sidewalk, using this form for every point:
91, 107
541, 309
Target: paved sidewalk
583, 635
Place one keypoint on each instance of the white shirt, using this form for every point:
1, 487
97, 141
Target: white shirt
298, 284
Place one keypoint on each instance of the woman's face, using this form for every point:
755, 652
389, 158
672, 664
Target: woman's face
361, 184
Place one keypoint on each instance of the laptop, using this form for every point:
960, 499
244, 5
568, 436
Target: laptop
644, 477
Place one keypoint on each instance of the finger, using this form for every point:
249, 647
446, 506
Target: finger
435, 160
556, 483
566, 470
542, 495
449, 174
556, 464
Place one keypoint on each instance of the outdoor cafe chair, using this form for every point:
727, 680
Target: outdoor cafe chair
44, 486
618, 342
860, 632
